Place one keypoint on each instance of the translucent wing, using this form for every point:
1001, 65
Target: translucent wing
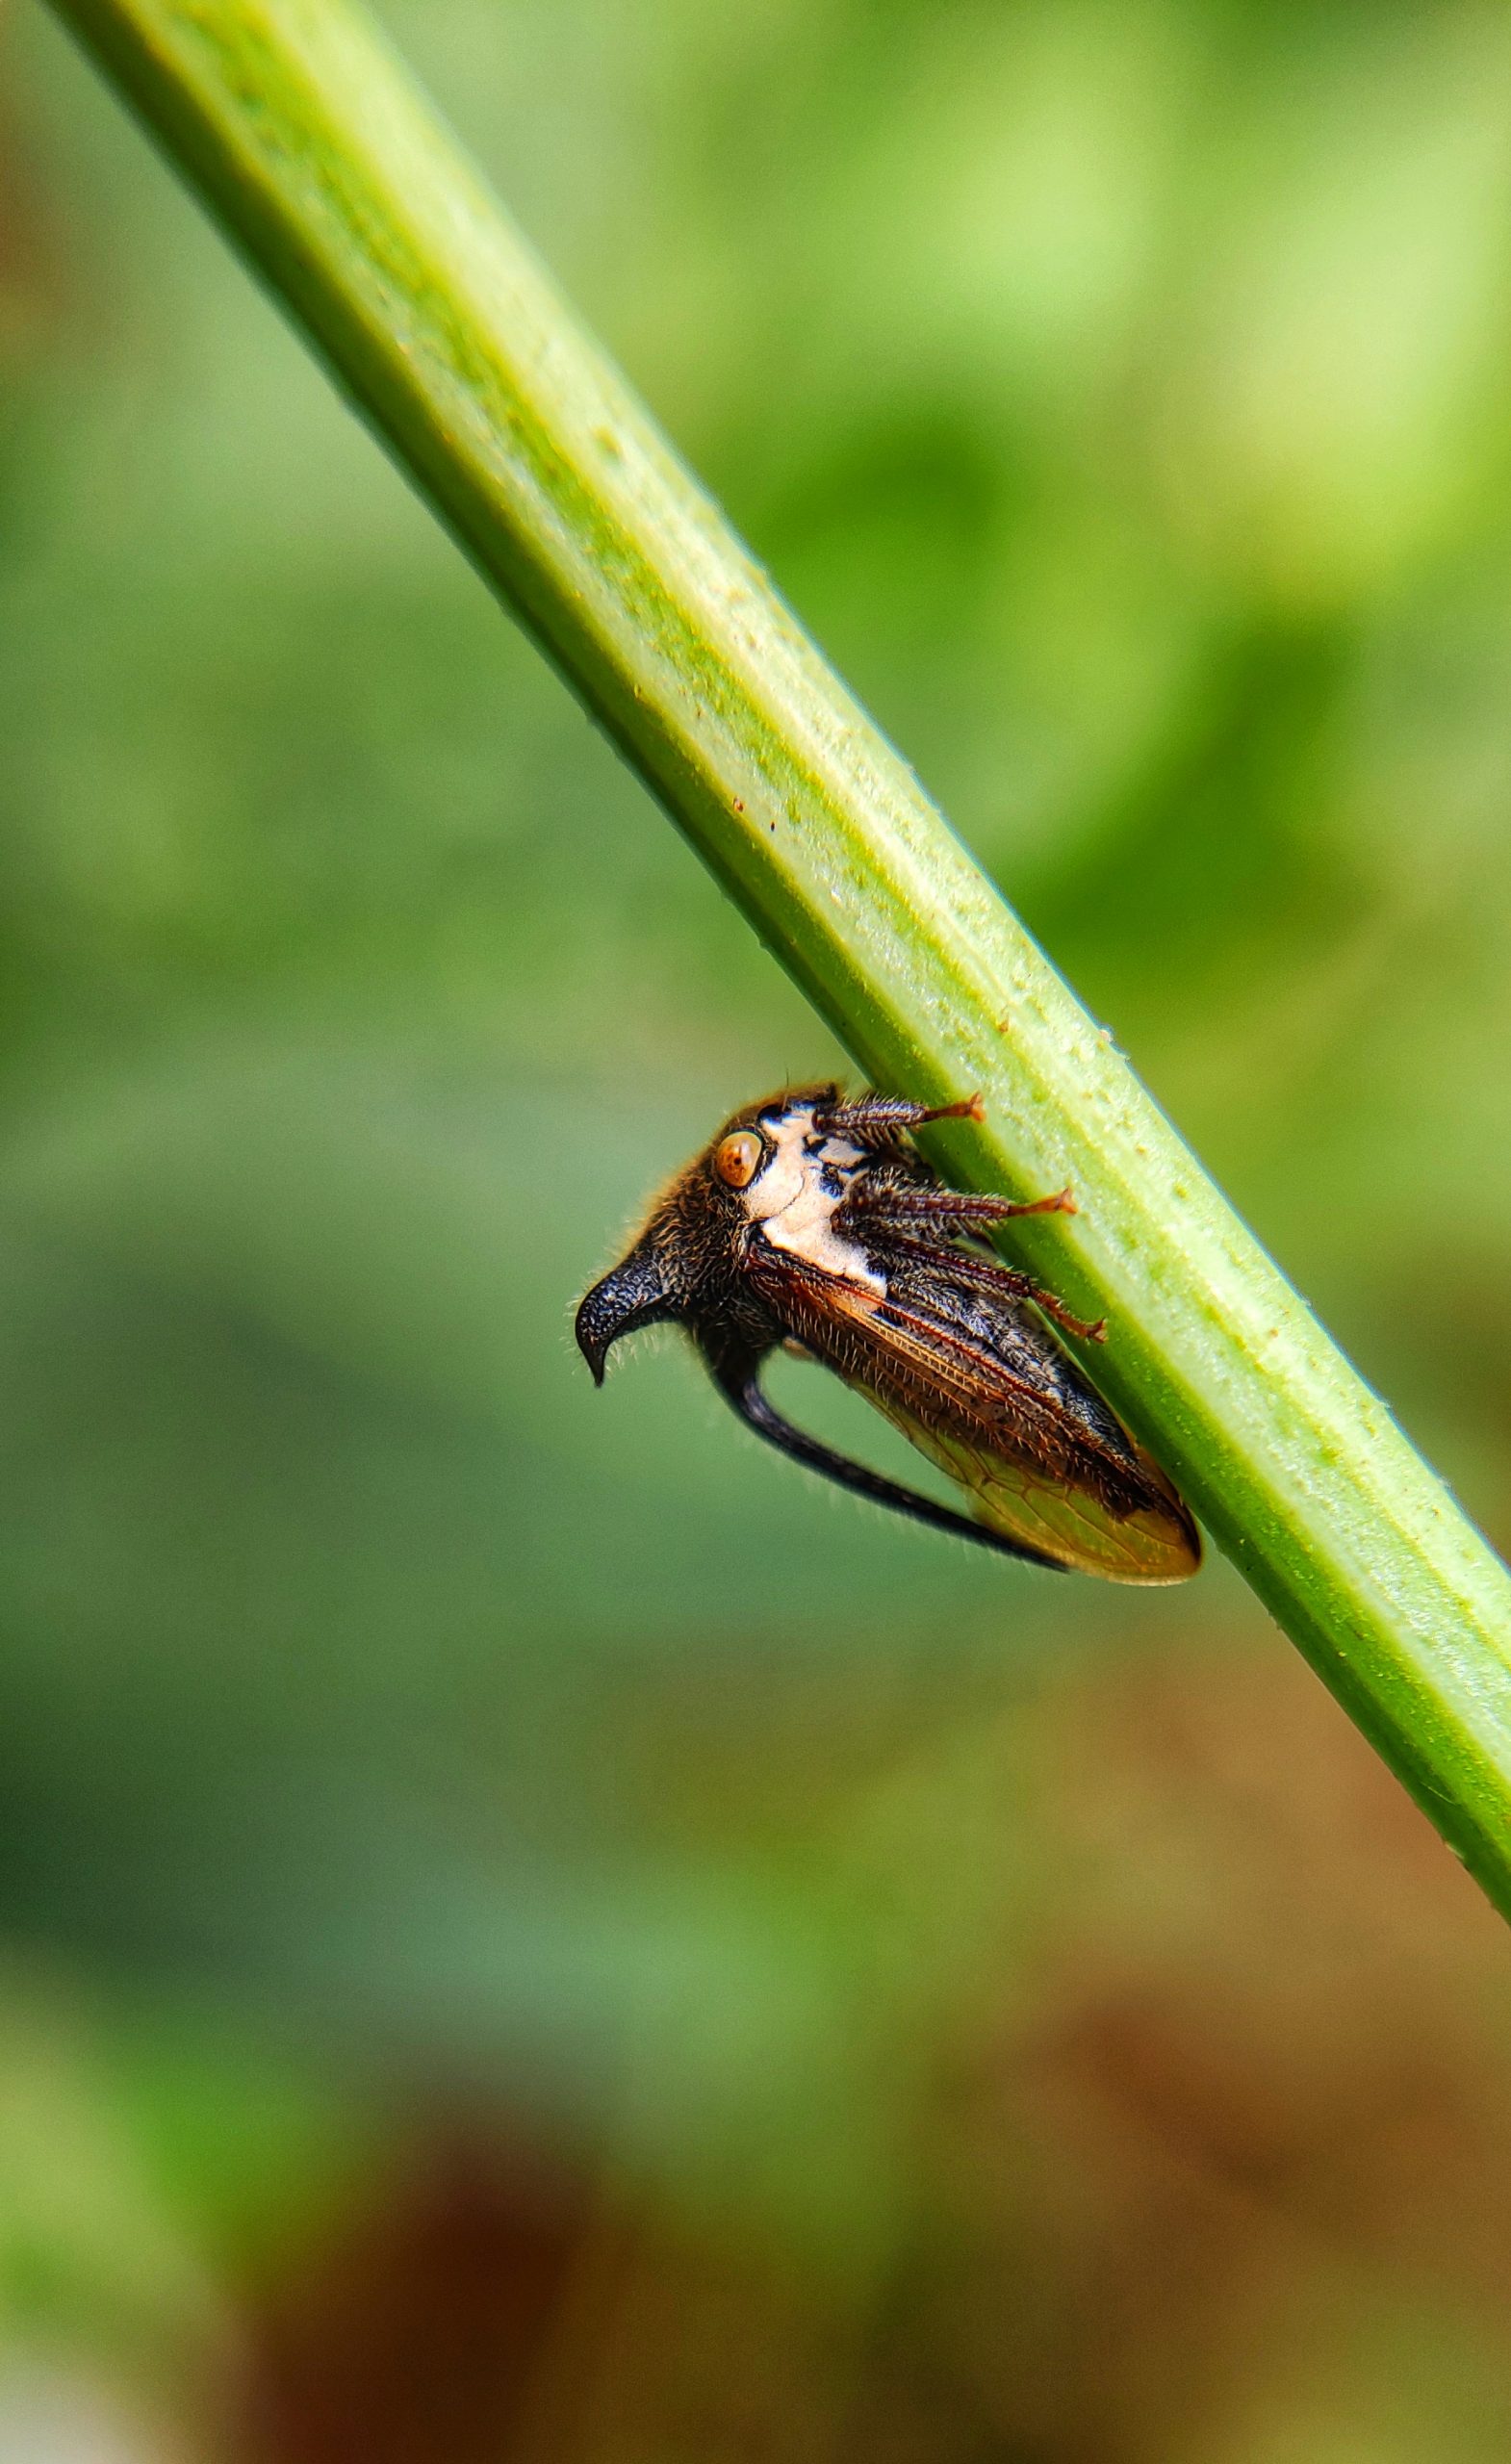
1152, 1541
983, 1390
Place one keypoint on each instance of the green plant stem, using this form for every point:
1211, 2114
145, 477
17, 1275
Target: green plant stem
352, 203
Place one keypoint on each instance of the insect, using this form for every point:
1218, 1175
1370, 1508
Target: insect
813, 1224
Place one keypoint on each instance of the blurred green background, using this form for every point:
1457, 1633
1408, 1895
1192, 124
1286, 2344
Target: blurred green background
527, 1930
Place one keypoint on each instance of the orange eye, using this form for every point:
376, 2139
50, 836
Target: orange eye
735, 1159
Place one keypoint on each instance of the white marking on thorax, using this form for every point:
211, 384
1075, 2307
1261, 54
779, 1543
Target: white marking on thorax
795, 1211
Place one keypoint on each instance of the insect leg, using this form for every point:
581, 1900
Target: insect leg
882, 1115
737, 1375
944, 1210
985, 1274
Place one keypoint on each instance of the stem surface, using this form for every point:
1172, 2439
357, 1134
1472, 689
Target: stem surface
353, 204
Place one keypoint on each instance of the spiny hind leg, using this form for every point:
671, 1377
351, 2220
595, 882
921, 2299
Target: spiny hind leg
883, 1115
986, 1275
906, 1204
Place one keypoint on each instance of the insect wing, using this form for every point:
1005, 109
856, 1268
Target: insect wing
1031, 1471
1064, 1521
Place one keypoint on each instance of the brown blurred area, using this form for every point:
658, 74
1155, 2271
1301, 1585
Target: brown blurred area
1231, 2142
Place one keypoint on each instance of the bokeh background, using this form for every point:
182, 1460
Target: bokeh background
527, 1930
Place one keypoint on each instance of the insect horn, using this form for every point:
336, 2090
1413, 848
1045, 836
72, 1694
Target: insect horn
635, 1294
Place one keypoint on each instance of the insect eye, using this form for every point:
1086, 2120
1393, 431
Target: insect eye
736, 1159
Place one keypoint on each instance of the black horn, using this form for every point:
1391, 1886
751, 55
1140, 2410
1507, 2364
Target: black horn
635, 1294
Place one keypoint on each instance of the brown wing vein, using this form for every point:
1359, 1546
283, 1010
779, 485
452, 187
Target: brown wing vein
1036, 1475
915, 1355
